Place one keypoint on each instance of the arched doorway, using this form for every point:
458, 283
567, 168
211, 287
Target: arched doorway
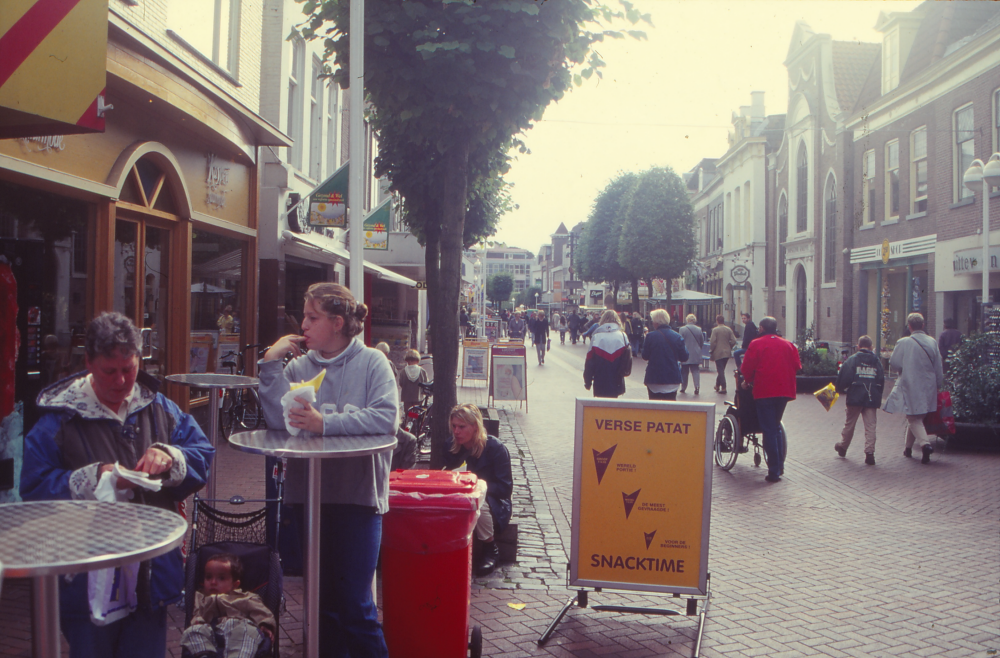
800, 303
148, 238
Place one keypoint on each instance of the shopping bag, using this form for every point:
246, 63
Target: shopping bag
111, 592
942, 421
548, 345
827, 396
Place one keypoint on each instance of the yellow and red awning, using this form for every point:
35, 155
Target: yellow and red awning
53, 64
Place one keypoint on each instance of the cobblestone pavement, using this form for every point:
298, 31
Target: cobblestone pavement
839, 559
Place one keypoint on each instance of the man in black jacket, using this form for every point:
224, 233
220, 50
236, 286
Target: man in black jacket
574, 326
749, 333
862, 379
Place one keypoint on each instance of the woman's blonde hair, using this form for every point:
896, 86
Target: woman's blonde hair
691, 318
610, 316
660, 317
334, 299
469, 414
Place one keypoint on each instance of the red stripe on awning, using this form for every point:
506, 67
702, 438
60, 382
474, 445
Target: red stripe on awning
89, 118
28, 33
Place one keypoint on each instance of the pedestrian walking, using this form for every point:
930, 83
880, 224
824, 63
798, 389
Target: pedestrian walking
540, 334
948, 340
861, 378
609, 360
721, 344
916, 391
573, 323
635, 332
358, 396
694, 339
749, 333
664, 351
561, 327
516, 327
592, 324
769, 367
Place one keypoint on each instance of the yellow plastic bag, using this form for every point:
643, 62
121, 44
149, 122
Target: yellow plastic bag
827, 396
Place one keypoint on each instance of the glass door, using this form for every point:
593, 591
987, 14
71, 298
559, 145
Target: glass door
141, 286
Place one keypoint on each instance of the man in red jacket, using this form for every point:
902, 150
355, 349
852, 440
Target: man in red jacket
770, 365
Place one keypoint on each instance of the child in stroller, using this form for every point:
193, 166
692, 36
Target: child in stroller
221, 608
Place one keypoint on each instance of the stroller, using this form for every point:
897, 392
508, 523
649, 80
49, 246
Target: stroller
246, 535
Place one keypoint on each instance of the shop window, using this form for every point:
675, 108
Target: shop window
316, 121
918, 170
217, 304
868, 188
892, 179
965, 149
212, 29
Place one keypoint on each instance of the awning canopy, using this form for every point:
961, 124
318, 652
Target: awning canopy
690, 297
316, 246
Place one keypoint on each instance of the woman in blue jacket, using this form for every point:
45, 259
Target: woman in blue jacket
489, 460
663, 351
113, 413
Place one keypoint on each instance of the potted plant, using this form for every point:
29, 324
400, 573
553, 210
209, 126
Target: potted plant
819, 367
973, 378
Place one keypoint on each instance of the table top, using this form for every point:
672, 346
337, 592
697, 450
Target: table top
44, 538
211, 380
279, 443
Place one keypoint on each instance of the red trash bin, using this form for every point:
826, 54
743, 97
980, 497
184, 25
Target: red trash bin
427, 565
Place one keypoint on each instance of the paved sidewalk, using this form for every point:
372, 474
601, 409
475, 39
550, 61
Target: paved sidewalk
839, 559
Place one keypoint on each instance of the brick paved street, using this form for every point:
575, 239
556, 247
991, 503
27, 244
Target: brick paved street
839, 559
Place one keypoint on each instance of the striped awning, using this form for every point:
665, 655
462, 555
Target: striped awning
53, 67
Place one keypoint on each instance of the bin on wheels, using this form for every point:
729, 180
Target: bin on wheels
427, 565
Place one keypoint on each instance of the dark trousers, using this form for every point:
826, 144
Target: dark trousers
769, 413
142, 634
661, 396
349, 545
720, 368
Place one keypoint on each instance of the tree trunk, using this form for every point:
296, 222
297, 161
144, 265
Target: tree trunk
454, 200
432, 254
635, 295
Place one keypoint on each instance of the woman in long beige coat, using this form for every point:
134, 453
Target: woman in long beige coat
721, 345
920, 378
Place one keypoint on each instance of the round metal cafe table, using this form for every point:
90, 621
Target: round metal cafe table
314, 447
213, 382
45, 539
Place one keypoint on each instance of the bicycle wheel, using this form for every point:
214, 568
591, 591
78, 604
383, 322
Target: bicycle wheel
727, 442
226, 415
249, 413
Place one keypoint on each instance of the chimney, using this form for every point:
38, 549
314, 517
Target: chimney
757, 106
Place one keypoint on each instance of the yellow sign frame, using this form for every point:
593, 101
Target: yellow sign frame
642, 495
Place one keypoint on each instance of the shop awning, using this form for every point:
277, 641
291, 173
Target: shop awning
692, 297
316, 246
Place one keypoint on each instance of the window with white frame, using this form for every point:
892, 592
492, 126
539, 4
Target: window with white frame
965, 148
892, 179
890, 61
296, 78
918, 170
316, 121
868, 188
830, 231
802, 191
782, 237
331, 129
211, 27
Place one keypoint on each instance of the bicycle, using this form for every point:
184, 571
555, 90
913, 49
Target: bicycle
418, 421
241, 408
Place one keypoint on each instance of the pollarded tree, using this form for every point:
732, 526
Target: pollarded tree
498, 288
657, 237
598, 257
450, 83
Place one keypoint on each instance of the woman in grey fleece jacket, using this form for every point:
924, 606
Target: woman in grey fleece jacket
358, 395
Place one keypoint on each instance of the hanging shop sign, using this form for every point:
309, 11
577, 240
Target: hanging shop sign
740, 273
375, 227
642, 492
328, 202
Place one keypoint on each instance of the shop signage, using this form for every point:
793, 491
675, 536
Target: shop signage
740, 273
474, 359
375, 227
328, 202
42, 144
421, 285
887, 251
216, 182
970, 261
642, 491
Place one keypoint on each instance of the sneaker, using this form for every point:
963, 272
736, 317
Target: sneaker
841, 450
772, 478
488, 561
696, 391
907, 452
926, 459
683, 390
869, 459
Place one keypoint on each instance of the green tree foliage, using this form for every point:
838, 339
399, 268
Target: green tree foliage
498, 288
658, 238
973, 378
526, 298
597, 258
450, 84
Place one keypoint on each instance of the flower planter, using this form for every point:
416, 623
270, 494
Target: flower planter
812, 383
975, 436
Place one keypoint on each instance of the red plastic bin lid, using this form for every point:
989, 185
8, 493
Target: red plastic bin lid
432, 482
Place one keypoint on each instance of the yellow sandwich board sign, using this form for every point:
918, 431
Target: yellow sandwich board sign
642, 491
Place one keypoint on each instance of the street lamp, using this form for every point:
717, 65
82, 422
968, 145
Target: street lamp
980, 179
536, 300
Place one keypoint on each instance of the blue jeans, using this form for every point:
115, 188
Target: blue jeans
349, 542
143, 634
769, 413
738, 357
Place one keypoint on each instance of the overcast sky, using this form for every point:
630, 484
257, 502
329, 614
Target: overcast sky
666, 101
